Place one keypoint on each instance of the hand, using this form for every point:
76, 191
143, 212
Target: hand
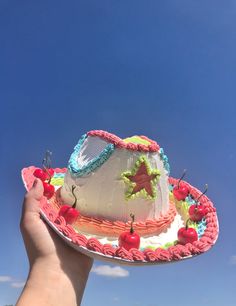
55, 268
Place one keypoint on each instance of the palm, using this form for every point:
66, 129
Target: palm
40, 240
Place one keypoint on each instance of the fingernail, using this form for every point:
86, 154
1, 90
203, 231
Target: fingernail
35, 183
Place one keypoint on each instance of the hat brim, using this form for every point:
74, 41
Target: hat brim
94, 246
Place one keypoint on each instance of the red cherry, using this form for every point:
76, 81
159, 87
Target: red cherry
48, 190
69, 213
197, 212
44, 174
187, 234
180, 192
49, 173
41, 174
129, 239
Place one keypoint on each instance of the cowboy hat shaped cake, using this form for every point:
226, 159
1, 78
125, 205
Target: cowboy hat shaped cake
115, 201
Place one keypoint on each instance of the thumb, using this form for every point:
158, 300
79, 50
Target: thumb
32, 198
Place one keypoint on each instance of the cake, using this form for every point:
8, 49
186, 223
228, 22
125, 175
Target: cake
115, 178
116, 190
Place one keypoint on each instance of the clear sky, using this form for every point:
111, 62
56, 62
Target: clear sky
165, 69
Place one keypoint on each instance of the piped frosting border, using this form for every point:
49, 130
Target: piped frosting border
91, 165
120, 143
173, 253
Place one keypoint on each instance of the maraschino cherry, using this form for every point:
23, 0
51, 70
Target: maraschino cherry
129, 239
180, 192
198, 211
187, 234
70, 213
49, 190
41, 174
46, 174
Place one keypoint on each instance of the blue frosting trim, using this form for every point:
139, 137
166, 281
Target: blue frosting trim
91, 165
58, 175
165, 160
201, 225
201, 228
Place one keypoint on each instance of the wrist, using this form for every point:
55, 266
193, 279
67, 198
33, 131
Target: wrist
51, 282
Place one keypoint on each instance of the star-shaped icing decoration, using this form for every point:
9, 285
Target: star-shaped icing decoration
141, 179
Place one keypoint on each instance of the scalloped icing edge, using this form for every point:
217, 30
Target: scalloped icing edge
120, 143
173, 253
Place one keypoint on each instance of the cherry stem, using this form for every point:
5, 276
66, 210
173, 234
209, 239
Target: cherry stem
47, 164
75, 202
180, 179
47, 159
131, 226
187, 224
206, 188
50, 177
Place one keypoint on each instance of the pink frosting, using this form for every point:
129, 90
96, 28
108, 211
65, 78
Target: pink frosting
51, 214
115, 228
68, 231
183, 250
176, 252
60, 223
194, 250
108, 249
162, 254
123, 253
79, 239
119, 143
137, 254
150, 255
94, 245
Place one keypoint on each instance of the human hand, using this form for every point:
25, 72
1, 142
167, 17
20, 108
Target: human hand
49, 256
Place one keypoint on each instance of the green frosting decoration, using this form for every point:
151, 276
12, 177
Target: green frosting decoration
137, 139
141, 180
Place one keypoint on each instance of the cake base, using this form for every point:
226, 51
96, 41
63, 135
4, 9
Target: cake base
154, 249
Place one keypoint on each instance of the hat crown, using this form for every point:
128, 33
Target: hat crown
116, 177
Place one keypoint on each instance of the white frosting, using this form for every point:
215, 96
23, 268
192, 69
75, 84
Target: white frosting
101, 194
156, 241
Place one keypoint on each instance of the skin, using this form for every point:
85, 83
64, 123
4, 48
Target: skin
57, 273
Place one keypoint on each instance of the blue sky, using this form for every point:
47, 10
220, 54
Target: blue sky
165, 69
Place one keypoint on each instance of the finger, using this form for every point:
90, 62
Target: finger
32, 198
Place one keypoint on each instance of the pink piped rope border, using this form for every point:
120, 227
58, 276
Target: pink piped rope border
119, 143
173, 253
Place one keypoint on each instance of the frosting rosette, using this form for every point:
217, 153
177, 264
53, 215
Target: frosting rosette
124, 254
137, 254
150, 255
79, 239
94, 245
162, 254
107, 249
